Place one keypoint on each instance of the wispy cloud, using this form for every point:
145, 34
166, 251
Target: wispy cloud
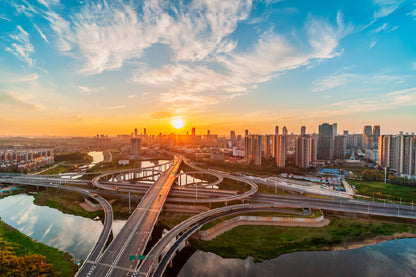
117, 107
21, 78
21, 48
41, 33
89, 91
10, 98
4, 18
373, 43
386, 7
330, 82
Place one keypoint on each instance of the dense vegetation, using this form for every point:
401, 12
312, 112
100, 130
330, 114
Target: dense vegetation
385, 190
266, 242
21, 256
74, 157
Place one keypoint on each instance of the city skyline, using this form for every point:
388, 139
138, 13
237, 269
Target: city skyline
110, 66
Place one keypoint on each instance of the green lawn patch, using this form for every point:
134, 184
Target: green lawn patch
266, 242
385, 190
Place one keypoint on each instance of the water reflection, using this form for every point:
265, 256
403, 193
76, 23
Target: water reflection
392, 258
70, 233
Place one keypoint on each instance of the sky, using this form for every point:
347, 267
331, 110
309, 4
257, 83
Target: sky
74, 68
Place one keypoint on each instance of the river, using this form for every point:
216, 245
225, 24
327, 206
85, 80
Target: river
391, 258
65, 232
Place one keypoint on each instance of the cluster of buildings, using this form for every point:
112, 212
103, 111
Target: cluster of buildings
398, 153
25, 158
309, 150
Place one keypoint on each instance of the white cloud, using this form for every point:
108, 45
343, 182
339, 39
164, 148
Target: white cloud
21, 48
5, 18
89, 91
20, 78
41, 33
386, 7
373, 43
117, 107
381, 28
329, 82
10, 98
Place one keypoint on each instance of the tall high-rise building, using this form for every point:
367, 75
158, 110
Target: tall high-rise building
276, 130
376, 131
135, 132
253, 147
193, 131
135, 146
281, 149
334, 129
367, 137
340, 147
284, 131
302, 130
268, 146
233, 137
398, 153
303, 151
246, 133
144, 132
345, 132
326, 142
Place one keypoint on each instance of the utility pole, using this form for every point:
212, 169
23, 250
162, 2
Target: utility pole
385, 174
129, 204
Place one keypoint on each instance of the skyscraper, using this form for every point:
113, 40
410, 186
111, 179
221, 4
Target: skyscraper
340, 147
135, 146
276, 130
193, 131
144, 132
253, 147
233, 137
367, 137
246, 133
284, 131
303, 151
268, 146
326, 142
281, 149
334, 129
302, 130
135, 132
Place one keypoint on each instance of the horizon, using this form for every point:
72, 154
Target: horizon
107, 67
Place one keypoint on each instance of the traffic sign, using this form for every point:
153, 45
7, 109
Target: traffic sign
132, 257
141, 257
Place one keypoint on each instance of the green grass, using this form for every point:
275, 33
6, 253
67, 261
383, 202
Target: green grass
65, 201
23, 245
211, 224
266, 242
56, 170
385, 190
168, 220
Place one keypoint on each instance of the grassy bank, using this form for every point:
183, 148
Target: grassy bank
21, 254
65, 201
266, 242
385, 190
168, 220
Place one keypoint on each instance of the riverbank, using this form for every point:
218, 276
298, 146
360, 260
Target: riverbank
26, 257
267, 242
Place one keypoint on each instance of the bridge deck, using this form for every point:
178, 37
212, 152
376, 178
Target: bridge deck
135, 234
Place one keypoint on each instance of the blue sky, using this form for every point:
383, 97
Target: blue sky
87, 67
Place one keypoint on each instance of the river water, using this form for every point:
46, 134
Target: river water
391, 258
66, 232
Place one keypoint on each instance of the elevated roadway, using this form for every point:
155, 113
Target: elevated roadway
133, 238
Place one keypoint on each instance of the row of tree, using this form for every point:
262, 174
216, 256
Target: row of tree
373, 175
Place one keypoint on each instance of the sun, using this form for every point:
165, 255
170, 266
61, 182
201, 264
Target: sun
177, 123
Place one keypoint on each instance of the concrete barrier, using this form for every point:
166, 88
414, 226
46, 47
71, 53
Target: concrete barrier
227, 225
185, 208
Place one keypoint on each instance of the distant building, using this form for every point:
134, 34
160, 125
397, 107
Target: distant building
334, 129
303, 151
135, 146
326, 142
193, 131
284, 131
276, 130
253, 147
233, 138
246, 133
398, 152
268, 146
340, 147
281, 150
303, 131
